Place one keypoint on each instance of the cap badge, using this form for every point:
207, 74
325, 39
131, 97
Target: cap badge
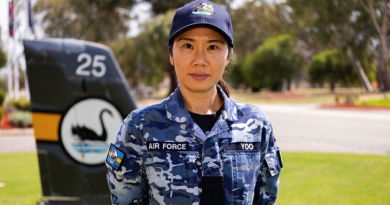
203, 9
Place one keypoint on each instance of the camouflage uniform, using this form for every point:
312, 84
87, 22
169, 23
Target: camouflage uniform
167, 154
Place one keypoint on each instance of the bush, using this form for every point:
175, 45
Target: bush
2, 96
235, 73
274, 63
21, 104
21, 119
331, 67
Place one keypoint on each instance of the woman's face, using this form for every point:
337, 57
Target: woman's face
199, 56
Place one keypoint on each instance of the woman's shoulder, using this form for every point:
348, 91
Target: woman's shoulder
156, 109
251, 111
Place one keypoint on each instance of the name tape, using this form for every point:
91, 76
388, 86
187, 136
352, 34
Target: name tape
178, 146
243, 146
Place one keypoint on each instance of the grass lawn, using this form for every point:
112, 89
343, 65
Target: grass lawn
330, 179
380, 103
20, 173
307, 179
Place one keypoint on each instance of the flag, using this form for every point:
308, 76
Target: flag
11, 18
30, 15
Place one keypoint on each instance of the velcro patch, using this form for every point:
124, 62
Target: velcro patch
242, 146
115, 157
177, 146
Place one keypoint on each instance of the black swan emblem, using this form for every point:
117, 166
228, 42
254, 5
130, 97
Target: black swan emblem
84, 133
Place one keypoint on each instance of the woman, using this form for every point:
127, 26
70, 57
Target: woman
197, 146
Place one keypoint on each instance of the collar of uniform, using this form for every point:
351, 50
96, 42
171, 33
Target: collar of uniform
230, 110
177, 111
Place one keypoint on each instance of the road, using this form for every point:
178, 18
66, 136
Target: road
306, 128
297, 128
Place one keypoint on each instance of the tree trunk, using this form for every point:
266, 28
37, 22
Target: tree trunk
381, 27
288, 84
378, 78
355, 62
382, 67
360, 72
332, 86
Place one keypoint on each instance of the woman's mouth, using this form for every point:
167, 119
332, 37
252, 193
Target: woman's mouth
199, 76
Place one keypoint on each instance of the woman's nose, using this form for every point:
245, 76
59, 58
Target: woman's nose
200, 59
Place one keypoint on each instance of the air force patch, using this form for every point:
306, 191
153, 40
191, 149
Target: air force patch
114, 157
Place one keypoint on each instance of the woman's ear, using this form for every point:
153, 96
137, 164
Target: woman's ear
229, 57
171, 59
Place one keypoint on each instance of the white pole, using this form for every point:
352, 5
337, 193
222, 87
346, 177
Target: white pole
16, 56
16, 79
9, 64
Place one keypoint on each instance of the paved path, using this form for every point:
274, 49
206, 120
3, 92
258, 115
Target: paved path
17, 140
297, 127
305, 127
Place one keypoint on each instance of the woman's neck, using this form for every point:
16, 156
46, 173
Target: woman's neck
207, 102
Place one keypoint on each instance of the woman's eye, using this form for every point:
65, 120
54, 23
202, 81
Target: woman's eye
213, 47
187, 45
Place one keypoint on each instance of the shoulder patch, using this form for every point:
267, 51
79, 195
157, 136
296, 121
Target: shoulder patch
115, 157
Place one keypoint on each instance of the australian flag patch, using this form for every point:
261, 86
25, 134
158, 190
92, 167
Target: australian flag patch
114, 157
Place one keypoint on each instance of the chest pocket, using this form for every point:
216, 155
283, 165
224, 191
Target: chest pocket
240, 169
172, 175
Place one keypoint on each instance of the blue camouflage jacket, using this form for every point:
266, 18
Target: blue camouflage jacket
161, 155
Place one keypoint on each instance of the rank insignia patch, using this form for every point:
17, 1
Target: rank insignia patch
114, 157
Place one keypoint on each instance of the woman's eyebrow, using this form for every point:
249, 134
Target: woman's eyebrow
216, 41
186, 39
193, 40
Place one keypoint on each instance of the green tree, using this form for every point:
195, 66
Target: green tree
145, 58
92, 20
153, 47
235, 73
125, 51
161, 7
337, 24
274, 62
379, 13
255, 22
331, 67
3, 58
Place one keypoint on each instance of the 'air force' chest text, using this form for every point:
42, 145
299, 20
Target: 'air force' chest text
179, 146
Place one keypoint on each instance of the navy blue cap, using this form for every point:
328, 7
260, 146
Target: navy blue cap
202, 13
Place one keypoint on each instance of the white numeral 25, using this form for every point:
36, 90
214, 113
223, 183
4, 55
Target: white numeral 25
97, 63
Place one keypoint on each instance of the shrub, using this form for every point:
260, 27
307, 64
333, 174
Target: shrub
21, 119
21, 104
273, 63
2, 96
330, 66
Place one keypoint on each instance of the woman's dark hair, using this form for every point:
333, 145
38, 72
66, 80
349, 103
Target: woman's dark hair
221, 82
